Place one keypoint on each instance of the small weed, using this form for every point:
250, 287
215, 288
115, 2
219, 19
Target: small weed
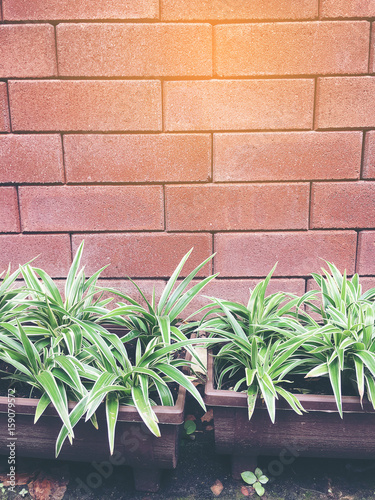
256, 479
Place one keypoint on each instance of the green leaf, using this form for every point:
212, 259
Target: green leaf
258, 472
112, 407
44, 401
263, 479
177, 376
75, 415
172, 280
145, 411
249, 477
49, 384
335, 378
165, 328
190, 427
259, 489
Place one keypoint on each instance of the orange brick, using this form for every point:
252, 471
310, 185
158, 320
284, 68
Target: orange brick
372, 50
137, 157
369, 156
343, 205
85, 105
143, 255
52, 252
89, 208
18, 10
292, 48
234, 207
346, 102
9, 216
348, 8
31, 158
4, 112
126, 286
366, 252
27, 51
238, 290
276, 156
190, 10
297, 253
134, 49
239, 104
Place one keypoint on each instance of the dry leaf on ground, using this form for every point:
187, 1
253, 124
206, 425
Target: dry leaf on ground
217, 488
208, 416
49, 486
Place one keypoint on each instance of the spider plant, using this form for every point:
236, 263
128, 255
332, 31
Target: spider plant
256, 356
65, 320
162, 318
341, 343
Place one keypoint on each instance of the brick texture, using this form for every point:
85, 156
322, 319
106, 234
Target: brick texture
144, 254
308, 48
27, 51
343, 205
238, 290
232, 207
348, 8
148, 127
177, 10
85, 105
297, 253
239, 104
31, 158
346, 102
369, 157
9, 218
137, 158
52, 252
287, 156
366, 249
126, 286
4, 113
119, 49
15, 10
85, 208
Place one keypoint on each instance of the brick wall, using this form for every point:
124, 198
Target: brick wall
147, 127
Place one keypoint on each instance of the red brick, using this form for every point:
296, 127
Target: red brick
234, 207
89, 208
276, 156
18, 10
346, 102
369, 156
126, 286
9, 216
297, 253
367, 283
134, 49
31, 158
239, 104
238, 290
366, 252
190, 10
4, 112
144, 255
52, 252
343, 205
27, 51
372, 50
85, 105
137, 157
348, 8
306, 48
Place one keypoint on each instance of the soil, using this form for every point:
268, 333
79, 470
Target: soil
198, 469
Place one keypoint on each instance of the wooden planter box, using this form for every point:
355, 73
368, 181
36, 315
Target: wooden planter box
319, 433
135, 445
